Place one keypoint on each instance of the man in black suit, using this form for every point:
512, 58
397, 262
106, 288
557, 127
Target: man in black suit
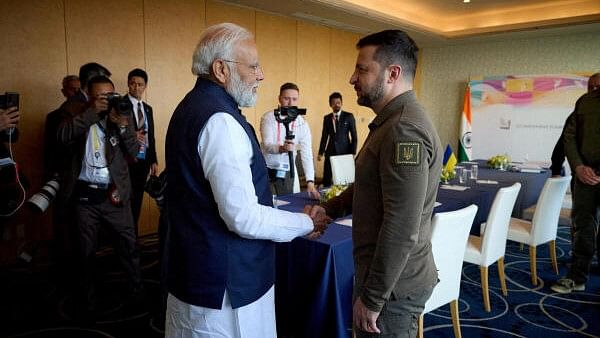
145, 161
338, 136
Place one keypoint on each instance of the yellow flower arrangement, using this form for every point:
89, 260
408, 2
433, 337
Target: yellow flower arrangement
447, 175
332, 192
499, 162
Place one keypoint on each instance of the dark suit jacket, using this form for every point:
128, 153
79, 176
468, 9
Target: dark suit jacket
151, 150
340, 141
73, 131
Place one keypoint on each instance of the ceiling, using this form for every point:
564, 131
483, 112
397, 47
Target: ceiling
435, 22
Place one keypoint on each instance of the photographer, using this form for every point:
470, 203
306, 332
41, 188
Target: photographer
103, 136
275, 147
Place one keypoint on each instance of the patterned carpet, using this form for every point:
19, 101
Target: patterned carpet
527, 311
32, 304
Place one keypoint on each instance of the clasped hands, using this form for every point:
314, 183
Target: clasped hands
320, 219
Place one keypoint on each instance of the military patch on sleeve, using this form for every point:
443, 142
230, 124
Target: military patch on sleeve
408, 153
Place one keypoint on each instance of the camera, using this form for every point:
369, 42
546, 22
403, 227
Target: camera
8, 100
42, 199
288, 114
155, 187
120, 103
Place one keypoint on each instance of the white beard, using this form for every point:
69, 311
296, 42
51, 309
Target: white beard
242, 94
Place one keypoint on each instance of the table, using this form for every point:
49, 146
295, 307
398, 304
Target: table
313, 288
531, 184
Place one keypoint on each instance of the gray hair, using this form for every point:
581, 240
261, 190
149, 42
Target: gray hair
217, 42
68, 79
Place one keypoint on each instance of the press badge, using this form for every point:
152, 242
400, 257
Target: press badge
113, 141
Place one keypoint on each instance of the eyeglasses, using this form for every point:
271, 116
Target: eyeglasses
255, 68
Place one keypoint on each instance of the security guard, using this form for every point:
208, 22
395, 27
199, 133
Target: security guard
396, 181
582, 147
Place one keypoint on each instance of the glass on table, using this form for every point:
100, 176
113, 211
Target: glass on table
474, 171
464, 178
459, 172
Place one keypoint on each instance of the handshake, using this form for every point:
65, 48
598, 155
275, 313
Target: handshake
320, 220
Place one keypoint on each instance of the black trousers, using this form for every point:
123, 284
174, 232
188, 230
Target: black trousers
327, 176
90, 217
586, 238
138, 172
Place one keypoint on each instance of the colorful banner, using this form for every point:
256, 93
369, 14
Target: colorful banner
521, 116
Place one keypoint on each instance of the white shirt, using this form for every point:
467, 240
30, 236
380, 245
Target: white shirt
136, 113
94, 168
226, 155
273, 135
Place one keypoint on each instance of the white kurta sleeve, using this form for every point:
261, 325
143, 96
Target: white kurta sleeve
226, 154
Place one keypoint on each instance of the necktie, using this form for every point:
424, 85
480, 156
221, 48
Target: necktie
140, 116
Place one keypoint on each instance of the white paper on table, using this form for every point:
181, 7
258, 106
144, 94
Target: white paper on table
279, 203
437, 204
347, 222
453, 187
486, 182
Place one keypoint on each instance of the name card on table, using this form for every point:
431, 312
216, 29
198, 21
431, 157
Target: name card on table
453, 187
347, 222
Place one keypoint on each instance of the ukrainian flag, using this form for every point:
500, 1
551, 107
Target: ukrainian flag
449, 159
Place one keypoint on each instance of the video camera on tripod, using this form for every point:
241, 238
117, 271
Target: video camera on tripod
287, 115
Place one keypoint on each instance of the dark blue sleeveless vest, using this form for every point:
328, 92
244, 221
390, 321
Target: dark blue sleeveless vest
205, 258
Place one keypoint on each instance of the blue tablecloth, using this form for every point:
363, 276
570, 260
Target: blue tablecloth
314, 277
531, 184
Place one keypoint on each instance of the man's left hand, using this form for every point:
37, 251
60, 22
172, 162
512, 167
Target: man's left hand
364, 319
312, 191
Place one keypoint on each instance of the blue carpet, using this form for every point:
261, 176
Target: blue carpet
527, 311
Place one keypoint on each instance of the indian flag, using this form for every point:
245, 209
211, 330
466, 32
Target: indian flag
464, 148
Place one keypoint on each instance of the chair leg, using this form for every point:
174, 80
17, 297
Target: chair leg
420, 327
502, 276
552, 248
455, 319
485, 288
533, 264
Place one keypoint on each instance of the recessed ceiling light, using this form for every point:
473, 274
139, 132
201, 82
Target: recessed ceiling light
466, 1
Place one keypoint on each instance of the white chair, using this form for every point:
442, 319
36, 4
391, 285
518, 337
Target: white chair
450, 231
489, 248
342, 169
542, 229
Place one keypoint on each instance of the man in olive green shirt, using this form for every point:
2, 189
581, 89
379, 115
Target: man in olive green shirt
582, 147
397, 175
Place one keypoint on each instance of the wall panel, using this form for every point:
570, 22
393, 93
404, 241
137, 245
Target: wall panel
110, 32
276, 41
313, 79
172, 30
32, 63
343, 61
